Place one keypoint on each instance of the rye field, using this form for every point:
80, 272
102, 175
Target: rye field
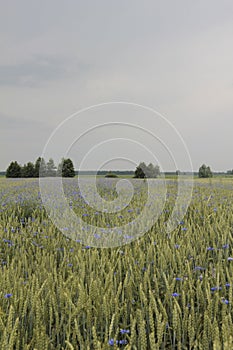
160, 291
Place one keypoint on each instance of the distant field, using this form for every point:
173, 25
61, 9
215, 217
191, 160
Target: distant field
161, 291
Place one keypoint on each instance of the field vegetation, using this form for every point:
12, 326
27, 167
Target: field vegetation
162, 291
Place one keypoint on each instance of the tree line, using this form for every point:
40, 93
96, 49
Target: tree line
41, 168
153, 171
65, 168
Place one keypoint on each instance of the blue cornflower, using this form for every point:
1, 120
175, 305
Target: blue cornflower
184, 229
225, 246
213, 289
111, 342
175, 294
230, 258
177, 246
8, 295
179, 279
70, 265
124, 331
120, 342
210, 248
225, 301
227, 285
128, 237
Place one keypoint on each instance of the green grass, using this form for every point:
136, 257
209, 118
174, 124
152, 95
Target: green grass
68, 296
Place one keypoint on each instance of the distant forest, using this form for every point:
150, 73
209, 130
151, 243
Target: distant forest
66, 169
131, 172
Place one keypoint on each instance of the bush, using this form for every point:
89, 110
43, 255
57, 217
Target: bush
111, 175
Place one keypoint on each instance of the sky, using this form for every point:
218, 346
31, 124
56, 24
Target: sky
60, 57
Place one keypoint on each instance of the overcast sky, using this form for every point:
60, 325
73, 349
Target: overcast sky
58, 57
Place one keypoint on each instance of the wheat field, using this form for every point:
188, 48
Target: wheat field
161, 291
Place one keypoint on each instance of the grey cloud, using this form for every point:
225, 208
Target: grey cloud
173, 56
39, 71
11, 122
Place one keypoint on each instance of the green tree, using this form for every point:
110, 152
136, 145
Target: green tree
43, 168
148, 171
51, 169
66, 168
152, 171
205, 171
13, 170
28, 170
40, 168
59, 168
140, 171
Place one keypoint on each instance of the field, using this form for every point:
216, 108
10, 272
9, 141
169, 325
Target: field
161, 291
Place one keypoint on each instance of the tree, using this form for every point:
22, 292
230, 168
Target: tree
40, 168
13, 170
66, 168
43, 168
148, 171
140, 171
152, 171
28, 170
37, 167
205, 171
59, 168
51, 169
